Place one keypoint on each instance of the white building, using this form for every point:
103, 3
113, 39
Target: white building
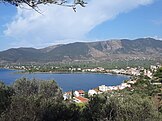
92, 92
132, 82
148, 73
153, 68
124, 85
103, 88
76, 94
79, 93
67, 95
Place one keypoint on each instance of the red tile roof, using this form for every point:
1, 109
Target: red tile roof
82, 99
69, 93
81, 91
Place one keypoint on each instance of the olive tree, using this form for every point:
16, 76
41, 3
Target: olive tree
5, 96
32, 99
120, 107
34, 3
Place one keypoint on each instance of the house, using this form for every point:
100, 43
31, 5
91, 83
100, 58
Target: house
79, 93
148, 73
103, 88
153, 68
124, 85
80, 99
132, 82
98, 91
92, 92
76, 93
67, 95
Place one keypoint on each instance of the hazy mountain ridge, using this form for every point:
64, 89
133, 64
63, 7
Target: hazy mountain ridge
142, 48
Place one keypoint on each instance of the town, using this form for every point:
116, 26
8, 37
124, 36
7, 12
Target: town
132, 71
80, 96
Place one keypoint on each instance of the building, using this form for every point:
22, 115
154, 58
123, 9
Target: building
67, 95
79, 93
92, 92
103, 88
132, 82
80, 99
148, 73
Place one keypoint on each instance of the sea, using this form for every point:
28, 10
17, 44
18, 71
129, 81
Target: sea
67, 81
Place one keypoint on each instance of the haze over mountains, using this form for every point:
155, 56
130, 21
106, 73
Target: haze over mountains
124, 49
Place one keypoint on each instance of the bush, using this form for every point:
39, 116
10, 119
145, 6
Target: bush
31, 99
121, 108
5, 96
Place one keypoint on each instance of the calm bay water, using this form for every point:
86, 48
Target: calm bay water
74, 81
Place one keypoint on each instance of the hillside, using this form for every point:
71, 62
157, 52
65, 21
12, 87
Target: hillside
124, 49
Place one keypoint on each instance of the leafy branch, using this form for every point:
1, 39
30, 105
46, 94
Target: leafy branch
34, 3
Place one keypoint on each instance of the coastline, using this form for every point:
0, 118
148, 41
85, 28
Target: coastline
66, 72
78, 84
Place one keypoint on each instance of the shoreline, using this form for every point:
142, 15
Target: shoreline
65, 72
15, 71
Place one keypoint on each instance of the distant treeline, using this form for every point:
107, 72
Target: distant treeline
64, 67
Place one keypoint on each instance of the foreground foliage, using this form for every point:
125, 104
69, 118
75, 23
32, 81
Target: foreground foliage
34, 3
121, 108
5, 97
35, 100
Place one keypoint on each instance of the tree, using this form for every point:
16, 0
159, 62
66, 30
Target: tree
34, 3
46, 89
158, 75
5, 97
32, 100
119, 107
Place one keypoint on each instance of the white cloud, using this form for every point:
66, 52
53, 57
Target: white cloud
61, 23
155, 37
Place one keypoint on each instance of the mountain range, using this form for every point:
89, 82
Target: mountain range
110, 50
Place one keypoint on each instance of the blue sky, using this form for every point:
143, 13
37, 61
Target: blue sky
98, 21
144, 21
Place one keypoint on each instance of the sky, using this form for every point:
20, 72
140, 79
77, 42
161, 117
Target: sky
99, 20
